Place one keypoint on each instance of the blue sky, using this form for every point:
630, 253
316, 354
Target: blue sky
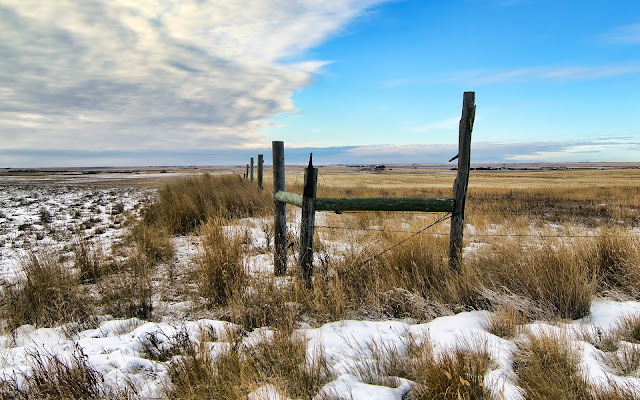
88, 82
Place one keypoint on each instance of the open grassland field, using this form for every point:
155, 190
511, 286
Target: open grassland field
160, 284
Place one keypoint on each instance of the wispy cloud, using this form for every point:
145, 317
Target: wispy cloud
627, 34
568, 73
155, 75
444, 124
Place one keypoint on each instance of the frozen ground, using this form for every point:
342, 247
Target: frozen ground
47, 215
116, 347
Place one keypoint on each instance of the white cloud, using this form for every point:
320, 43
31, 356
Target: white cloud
155, 74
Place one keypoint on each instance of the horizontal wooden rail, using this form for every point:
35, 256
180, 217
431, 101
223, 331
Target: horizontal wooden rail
289, 198
371, 203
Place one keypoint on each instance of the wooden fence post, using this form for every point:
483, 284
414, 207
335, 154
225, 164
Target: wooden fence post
251, 170
260, 170
462, 180
280, 211
308, 221
246, 175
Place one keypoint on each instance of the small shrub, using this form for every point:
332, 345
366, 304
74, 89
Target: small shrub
117, 208
45, 216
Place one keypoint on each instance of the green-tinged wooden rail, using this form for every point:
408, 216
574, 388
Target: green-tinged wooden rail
371, 203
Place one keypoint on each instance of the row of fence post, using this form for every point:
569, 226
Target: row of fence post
249, 173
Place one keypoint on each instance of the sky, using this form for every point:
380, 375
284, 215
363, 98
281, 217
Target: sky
197, 82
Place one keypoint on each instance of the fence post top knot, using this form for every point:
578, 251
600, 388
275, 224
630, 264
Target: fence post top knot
310, 160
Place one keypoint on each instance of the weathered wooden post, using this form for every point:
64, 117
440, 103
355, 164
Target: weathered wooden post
280, 211
260, 170
462, 180
251, 170
308, 221
246, 175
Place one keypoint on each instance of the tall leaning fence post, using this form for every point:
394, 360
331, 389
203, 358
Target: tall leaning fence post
260, 170
251, 175
280, 211
308, 221
462, 180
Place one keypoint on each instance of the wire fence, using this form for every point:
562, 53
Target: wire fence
536, 235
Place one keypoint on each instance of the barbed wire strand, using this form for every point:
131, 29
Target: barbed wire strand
475, 234
439, 220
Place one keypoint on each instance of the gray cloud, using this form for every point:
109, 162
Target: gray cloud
80, 75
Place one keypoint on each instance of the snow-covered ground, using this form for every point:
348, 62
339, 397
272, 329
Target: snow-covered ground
116, 348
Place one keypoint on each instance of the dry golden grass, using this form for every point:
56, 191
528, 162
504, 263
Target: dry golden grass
47, 294
280, 360
220, 265
548, 368
186, 203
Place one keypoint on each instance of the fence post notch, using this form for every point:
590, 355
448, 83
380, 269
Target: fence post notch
305, 259
280, 211
462, 180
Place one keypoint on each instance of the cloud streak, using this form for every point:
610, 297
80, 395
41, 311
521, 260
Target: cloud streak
627, 34
568, 73
156, 75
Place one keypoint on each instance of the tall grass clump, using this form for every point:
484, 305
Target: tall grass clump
220, 264
557, 278
240, 369
89, 260
547, 367
55, 377
128, 293
154, 240
184, 204
47, 293
455, 374
616, 261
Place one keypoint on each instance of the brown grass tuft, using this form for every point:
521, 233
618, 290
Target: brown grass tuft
47, 294
240, 369
127, 293
220, 264
548, 368
186, 203
557, 278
